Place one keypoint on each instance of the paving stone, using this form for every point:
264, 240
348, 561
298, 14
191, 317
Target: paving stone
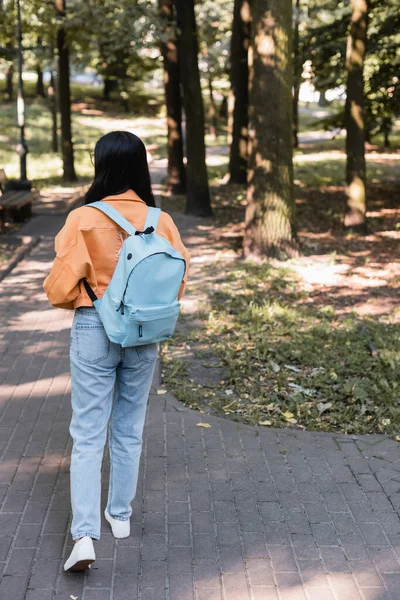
374, 535
316, 512
334, 559
345, 587
283, 559
209, 593
181, 586
19, 562
207, 573
290, 586
354, 546
366, 574
202, 522
179, 559
235, 586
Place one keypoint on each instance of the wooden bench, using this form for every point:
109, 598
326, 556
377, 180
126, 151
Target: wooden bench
18, 203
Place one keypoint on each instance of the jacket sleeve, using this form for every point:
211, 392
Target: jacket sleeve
173, 236
70, 265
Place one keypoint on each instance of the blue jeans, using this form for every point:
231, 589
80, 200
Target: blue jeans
110, 385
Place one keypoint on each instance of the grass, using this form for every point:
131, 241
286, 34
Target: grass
287, 362
91, 118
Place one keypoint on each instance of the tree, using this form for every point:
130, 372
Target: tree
176, 168
64, 96
239, 91
214, 21
198, 193
297, 70
270, 213
354, 117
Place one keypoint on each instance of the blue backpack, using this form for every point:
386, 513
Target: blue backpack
140, 305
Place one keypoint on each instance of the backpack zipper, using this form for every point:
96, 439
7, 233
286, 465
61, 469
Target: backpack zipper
121, 308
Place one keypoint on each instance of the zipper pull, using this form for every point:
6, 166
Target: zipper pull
121, 308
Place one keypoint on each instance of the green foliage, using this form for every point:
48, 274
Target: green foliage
214, 22
323, 36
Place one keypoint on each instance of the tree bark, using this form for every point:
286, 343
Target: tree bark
297, 70
173, 101
223, 108
239, 92
64, 98
198, 194
270, 213
212, 111
108, 86
322, 98
39, 82
52, 95
9, 83
386, 129
354, 118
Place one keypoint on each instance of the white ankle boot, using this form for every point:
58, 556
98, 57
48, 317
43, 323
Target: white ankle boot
120, 529
82, 555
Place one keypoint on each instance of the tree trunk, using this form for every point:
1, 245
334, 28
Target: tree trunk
239, 97
212, 111
173, 101
223, 109
270, 212
322, 99
64, 98
9, 83
52, 95
297, 70
354, 118
110, 84
386, 128
198, 193
39, 82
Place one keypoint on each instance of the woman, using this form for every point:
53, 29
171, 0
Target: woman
88, 247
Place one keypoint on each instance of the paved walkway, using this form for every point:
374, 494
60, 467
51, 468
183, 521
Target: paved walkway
228, 512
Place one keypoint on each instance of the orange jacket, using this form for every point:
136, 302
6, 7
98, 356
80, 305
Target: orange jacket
88, 246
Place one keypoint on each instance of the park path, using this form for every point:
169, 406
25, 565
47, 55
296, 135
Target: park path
226, 512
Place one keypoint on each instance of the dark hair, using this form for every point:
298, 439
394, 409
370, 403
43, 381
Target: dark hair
120, 164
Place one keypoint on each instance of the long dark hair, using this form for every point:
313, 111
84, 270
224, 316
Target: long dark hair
120, 164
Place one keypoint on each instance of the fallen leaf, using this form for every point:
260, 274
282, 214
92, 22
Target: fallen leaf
294, 369
323, 406
264, 423
229, 392
275, 367
301, 389
203, 425
289, 416
73, 597
161, 392
229, 405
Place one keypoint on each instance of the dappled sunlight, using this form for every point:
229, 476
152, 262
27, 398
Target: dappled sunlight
45, 387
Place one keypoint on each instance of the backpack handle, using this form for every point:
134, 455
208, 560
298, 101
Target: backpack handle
114, 215
153, 215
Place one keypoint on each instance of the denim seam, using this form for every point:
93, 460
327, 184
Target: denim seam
79, 355
84, 534
111, 467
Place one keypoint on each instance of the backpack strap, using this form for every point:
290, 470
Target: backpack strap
153, 214
114, 215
